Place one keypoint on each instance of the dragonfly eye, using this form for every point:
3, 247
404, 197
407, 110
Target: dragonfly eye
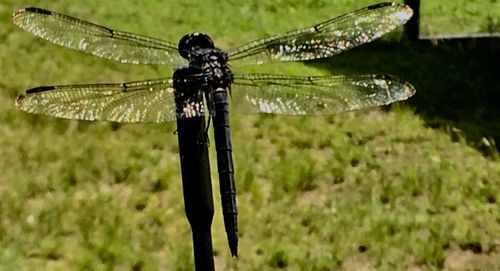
194, 41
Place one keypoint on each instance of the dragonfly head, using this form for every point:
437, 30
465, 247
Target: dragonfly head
194, 41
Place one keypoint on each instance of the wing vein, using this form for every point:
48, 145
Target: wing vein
97, 40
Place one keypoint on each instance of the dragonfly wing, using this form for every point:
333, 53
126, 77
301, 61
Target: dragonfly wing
315, 95
142, 101
325, 39
97, 40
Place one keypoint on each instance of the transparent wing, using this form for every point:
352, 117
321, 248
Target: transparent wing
325, 39
142, 101
97, 40
315, 95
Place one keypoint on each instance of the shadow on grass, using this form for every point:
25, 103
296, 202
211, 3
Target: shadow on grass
457, 82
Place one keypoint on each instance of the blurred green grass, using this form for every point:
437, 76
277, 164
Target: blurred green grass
461, 17
410, 188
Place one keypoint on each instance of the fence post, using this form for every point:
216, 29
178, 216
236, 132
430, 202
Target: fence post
197, 188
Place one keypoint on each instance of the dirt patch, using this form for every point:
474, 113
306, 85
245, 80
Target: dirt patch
468, 260
359, 263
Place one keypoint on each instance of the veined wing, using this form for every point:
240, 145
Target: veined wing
315, 95
325, 39
97, 40
142, 101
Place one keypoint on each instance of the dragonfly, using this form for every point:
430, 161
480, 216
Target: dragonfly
203, 85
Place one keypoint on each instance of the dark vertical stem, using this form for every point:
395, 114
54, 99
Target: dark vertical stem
197, 188
412, 26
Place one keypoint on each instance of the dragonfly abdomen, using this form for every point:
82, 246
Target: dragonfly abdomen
225, 167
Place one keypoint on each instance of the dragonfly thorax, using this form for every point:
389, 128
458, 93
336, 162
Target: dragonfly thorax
213, 64
206, 73
199, 49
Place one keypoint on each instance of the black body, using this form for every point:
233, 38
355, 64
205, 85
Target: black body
211, 63
225, 168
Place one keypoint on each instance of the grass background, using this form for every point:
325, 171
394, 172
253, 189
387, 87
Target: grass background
410, 187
